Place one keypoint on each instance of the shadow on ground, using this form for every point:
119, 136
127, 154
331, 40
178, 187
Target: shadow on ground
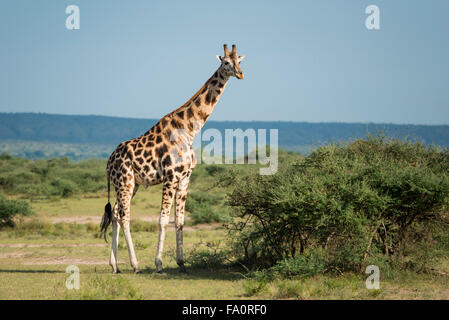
228, 274
192, 274
30, 271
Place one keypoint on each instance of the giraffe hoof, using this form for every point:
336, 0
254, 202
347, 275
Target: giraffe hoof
159, 271
137, 271
116, 272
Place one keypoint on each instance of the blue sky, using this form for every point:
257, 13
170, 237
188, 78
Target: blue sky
305, 60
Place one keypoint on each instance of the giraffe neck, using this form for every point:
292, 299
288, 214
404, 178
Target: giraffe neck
197, 110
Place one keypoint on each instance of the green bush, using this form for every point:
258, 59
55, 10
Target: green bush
287, 289
51, 178
215, 170
206, 207
353, 200
207, 256
63, 187
307, 264
5, 156
11, 209
253, 287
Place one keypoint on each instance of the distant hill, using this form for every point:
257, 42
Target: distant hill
97, 135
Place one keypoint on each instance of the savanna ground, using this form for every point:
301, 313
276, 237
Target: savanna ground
32, 266
63, 231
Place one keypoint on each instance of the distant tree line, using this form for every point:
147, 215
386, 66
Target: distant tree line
298, 136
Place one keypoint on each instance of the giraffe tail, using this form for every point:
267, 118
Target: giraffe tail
106, 220
107, 217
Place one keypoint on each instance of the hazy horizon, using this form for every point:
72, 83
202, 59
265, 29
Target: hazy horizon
212, 120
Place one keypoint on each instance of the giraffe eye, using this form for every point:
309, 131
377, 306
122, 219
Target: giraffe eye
226, 63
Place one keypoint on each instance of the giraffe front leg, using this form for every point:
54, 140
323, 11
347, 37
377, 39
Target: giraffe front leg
167, 199
181, 197
113, 261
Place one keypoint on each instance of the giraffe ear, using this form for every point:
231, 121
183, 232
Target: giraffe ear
241, 58
220, 58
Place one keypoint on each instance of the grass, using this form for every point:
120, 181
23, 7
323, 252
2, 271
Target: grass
107, 288
32, 266
351, 286
34, 256
146, 202
39, 266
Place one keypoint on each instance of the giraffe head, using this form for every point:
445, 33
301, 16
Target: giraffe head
230, 62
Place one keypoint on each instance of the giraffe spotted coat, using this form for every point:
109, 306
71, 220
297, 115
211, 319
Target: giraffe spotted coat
164, 154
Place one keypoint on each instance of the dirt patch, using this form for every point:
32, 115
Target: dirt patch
29, 260
12, 255
65, 261
97, 219
153, 219
45, 245
77, 219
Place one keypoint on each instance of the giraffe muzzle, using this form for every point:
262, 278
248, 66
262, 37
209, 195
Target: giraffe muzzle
239, 75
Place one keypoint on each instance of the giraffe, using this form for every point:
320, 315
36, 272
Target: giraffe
164, 154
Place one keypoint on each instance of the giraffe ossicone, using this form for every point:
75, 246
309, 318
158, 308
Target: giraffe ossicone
164, 154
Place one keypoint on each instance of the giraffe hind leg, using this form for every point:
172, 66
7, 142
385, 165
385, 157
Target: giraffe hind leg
123, 217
